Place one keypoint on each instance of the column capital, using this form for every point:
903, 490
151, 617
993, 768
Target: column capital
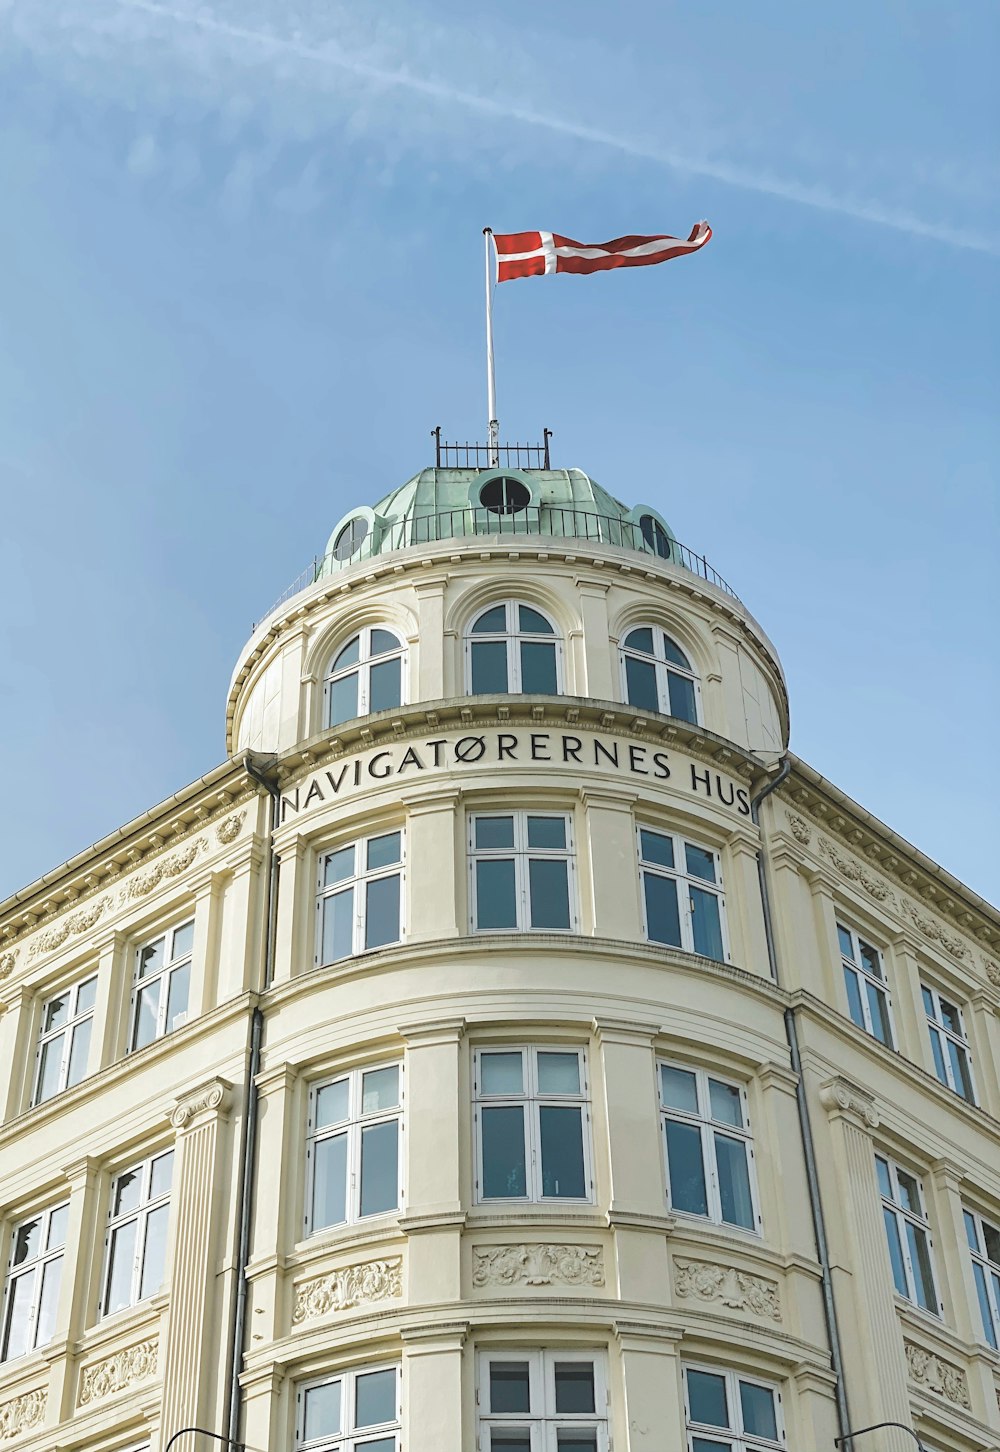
637, 1335
434, 1031
435, 1337
948, 1172
82, 1171
209, 1100
624, 1031
844, 1100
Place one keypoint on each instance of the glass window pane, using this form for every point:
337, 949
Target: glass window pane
507, 1439
147, 1011
991, 1237
338, 926
708, 1444
548, 882
938, 1052
161, 1175
641, 639
920, 1258
343, 699
50, 1063
151, 958
496, 899
846, 946
510, 1388
655, 847
909, 1194
688, 1192
699, 862
878, 1007
27, 1241
375, 1398
155, 1258
854, 996
382, 911
663, 919
950, 1017
331, 1103
640, 684
122, 1261
384, 851
683, 701
177, 997
56, 1012
58, 1222
338, 866
380, 1089
707, 1399
970, 1230
86, 995
734, 1181
574, 1386
960, 1070
673, 653
489, 667
183, 940
379, 1168
679, 1089
558, 1073
706, 924
491, 621
538, 668
18, 1322
884, 1181
576, 1440
561, 1133
530, 622
382, 641
329, 1200
385, 685
494, 832
377, 1444
322, 1410
895, 1251
871, 959
128, 1188
928, 998
501, 1073
504, 1168
759, 1418
547, 832
348, 656
79, 1052
984, 1305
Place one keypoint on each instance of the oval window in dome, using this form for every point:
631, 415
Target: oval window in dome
350, 538
503, 495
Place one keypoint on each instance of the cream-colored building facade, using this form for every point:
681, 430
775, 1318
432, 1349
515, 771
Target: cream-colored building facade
511, 1045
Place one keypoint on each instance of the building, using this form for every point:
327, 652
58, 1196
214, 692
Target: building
510, 1046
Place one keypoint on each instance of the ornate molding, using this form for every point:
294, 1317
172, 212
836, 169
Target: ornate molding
21, 1414
735, 1289
144, 882
228, 830
839, 1095
7, 961
537, 1265
936, 933
992, 971
107, 1378
930, 1372
213, 1096
70, 927
352, 1285
856, 872
799, 828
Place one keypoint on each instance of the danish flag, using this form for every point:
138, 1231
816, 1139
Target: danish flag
536, 254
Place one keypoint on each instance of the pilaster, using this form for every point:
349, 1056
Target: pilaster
208, 895
748, 943
295, 936
598, 680
649, 1387
612, 863
434, 891
16, 1024
82, 1263
432, 1379
427, 681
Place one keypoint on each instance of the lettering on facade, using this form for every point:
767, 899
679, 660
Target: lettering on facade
498, 748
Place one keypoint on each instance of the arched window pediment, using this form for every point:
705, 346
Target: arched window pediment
366, 674
512, 648
657, 675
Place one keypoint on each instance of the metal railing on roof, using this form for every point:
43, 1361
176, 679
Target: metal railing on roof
548, 521
478, 456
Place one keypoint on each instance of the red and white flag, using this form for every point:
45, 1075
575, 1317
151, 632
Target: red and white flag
535, 254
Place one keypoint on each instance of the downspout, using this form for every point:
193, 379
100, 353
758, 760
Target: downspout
248, 1138
805, 1125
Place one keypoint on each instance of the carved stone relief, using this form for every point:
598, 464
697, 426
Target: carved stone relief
992, 971
352, 1285
228, 830
935, 932
143, 883
7, 961
839, 1094
21, 1414
799, 828
212, 1096
537, 1265
733, 1288
115, 1373
856, 872
934, 1375
70, 927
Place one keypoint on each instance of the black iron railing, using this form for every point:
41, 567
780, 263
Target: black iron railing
477, 456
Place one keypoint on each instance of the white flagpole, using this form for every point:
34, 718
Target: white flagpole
493, 427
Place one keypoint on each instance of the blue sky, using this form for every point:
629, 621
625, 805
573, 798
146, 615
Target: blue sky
241, 280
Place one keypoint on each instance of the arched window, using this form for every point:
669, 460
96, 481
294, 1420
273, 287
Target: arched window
655, 535
658, 675
513, 649
351, 538
365, 675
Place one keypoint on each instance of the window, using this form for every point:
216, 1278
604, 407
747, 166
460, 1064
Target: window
357, 1411
864, 978
908, 1234
162, 983
353, 1147
503, 495
360, 897
33, 1276
682, 902
658, 675
365, 675
708, 1147
542, 1401
512, 649
521, 866
351, 538
727, 1412
137, 1233
64, 1039
952, 1060
532, 1122
656, 537
984, 1245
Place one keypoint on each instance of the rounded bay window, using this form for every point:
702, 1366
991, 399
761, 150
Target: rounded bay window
365, 675
657, 675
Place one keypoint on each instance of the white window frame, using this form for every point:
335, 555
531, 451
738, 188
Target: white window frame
532, 1099
353, 1437
707, 1127
514, 637
352, 1127
921, 1223
140, 1213
362, 669
164, 977
685, 881
36, 1267
936, 1027
662, 667
522, 855
69, 1029
542, 1421
359, 882
985, 1273
739, 1440
856, 965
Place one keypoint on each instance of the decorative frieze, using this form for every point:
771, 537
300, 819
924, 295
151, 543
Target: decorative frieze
936, 932
735, 1289
856, 872
992, 971
7, 961
932, 1374
537, 1265
116, 1373
352, 1285
228, 830
143, 883
799, 828
21, 1414
70, 927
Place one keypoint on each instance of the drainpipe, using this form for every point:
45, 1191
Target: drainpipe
248, 1138
805, 1126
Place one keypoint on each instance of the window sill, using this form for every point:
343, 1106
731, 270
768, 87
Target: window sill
523, 1213
346, 1237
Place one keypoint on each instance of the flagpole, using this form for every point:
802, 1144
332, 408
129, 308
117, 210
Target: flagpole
492, 426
